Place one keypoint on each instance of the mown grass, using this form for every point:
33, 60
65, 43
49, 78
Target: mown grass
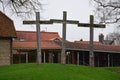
57, 72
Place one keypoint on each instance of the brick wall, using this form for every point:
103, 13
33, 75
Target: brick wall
5, 51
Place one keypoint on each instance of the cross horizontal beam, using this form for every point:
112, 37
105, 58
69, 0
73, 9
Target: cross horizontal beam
41, 22
94, 25
51, 21
67, 21
77, 22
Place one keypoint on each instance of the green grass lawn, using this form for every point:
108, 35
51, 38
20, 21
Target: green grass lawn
57, 72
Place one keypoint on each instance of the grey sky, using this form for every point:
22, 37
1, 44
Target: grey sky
76, 10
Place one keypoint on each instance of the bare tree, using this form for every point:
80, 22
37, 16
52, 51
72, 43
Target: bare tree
115, 36
21, 7
108, 11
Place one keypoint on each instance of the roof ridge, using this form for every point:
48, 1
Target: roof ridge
35, 31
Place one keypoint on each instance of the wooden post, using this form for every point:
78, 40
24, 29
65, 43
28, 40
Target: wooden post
38, 38
91, 54
78, 58
63, 54
108, 60
44, 57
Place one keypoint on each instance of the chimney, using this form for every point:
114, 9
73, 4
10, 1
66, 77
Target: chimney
81, 39
101, 38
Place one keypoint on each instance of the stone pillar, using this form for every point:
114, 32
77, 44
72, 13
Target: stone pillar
26, 57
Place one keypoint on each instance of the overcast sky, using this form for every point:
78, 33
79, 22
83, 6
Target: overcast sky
76, 10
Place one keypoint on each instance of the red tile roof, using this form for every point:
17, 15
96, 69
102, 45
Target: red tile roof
46, 44
100, 47
7, 28
49, 44
31, 35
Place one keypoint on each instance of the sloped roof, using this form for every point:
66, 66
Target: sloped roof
7, 28
31, 35
46, 44
99, 46
84, 46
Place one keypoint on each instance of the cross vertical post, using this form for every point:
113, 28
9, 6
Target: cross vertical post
38, 37
64, 21
63, 59
91, 53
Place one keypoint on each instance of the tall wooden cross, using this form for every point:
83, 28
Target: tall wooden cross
64, 21
91, 46
38, 22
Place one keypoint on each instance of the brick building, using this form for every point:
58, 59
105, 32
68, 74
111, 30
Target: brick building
7, 32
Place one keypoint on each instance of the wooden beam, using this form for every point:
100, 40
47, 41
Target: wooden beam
91, 53
39, 59
67, 21
63, 54
34, 22
88, 25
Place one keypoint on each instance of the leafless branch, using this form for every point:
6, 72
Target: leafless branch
20, 7
106, 5
108, 11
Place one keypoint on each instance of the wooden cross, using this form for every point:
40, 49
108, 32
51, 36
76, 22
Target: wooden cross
64, 21
92, 26
38, 22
